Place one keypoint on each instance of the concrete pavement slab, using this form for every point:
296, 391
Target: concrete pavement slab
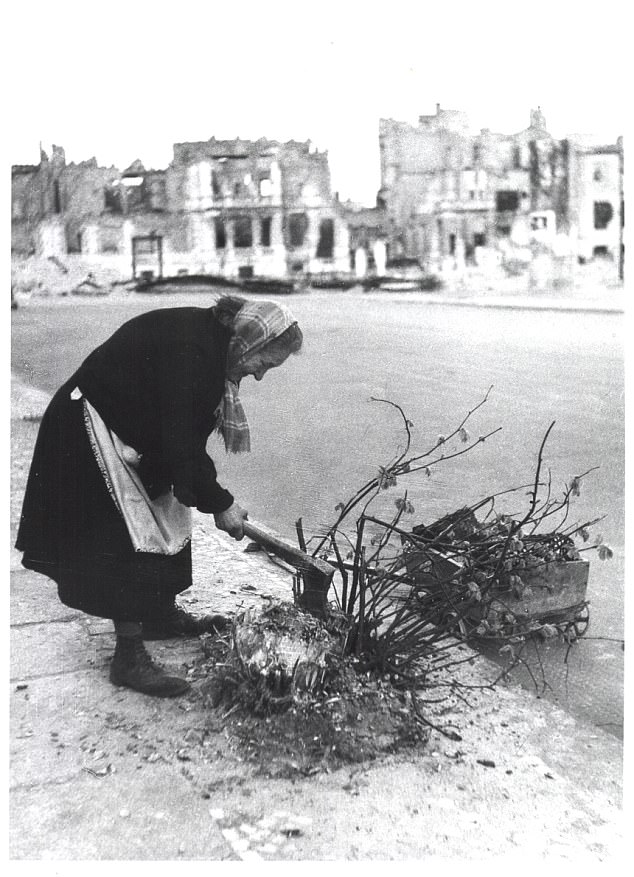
51, 648
227, 578
27, 403
84, 752
120, 816
34, 599
78, 721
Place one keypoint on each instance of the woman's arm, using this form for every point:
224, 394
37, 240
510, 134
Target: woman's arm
185, 389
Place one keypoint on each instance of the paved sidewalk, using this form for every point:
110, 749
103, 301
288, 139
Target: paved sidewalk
102, 773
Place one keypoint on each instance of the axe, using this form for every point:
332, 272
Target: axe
316, 574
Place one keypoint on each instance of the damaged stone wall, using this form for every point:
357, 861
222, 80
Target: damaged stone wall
447, 191
83, 188
222, 206
597, 202
549, 179
26, 208
259, 207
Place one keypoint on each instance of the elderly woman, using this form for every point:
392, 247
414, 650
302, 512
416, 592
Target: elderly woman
121, 459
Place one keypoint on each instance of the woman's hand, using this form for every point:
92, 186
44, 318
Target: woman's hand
232, 521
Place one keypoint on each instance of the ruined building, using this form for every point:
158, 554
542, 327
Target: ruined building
596, 206
450, 195
229, 207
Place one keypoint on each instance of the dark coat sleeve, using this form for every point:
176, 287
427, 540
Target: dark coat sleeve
187, 402
157, 382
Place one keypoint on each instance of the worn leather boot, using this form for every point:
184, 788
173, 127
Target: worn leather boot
132, 667
179, 623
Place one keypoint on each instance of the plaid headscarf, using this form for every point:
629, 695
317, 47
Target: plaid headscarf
255, 324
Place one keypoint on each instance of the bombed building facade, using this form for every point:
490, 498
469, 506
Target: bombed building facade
448, 199
228, 207
454, 197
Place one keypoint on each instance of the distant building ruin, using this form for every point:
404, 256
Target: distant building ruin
240, 208
227, 207
454, 197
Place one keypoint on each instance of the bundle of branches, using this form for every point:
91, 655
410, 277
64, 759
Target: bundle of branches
407, 604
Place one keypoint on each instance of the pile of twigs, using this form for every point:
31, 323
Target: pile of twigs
412, 595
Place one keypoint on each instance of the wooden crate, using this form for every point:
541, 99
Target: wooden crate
430, 569
553, 589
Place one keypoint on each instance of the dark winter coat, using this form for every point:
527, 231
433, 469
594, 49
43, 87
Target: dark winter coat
157, 382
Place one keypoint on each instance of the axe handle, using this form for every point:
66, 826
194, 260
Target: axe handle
288, 552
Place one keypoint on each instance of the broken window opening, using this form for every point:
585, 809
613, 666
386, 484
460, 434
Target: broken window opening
135, 196
326, 245
506, 200
265, 231
452, 244
215, 185
538, 223
479, 239
74, 243
156, 194
147, 255
57, 199
112, 199
220, 232
297, 228
603, 214
242, 232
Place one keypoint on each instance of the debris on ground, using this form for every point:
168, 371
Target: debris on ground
294, 703
89, 286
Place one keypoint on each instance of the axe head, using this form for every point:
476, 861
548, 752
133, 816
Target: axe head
313, 597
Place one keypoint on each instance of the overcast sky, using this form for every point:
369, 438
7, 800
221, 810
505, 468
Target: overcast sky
125, 80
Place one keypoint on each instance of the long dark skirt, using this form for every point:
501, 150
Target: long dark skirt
72, 532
